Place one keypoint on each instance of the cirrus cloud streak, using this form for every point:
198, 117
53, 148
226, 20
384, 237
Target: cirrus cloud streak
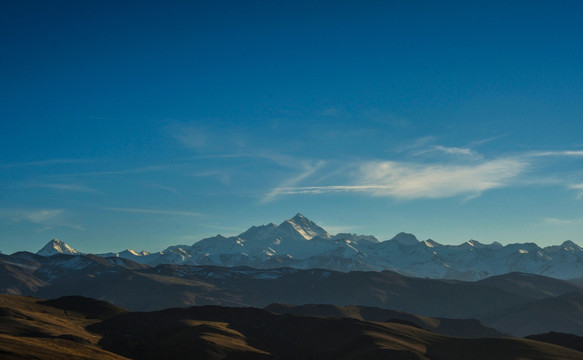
407, 181
154, 211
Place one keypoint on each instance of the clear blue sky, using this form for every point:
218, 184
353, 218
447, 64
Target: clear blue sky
148, 124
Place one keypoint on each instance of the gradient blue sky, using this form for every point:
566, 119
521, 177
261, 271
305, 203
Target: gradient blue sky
148, 124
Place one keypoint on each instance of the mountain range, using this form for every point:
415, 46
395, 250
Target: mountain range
301, 244
518, 304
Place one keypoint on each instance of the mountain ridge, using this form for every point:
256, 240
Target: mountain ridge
300, 243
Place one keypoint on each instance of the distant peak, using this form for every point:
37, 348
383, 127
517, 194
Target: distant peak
570, 244
299, 216
261, 231
431, 243
300, 219
477, 244
136, 253
405, 239
304, 226
56, 246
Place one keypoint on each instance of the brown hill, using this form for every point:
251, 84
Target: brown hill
91, 308
566, 340
152, 335
73, 328
18, 278
562, 314
30, 330
534, 286
469, 328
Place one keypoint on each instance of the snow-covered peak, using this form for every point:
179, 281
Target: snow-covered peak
136, 253
56, 246
299, 217
356, 237
474, 243
477, 244
430, 243
300, 243
258, 232
405, 239
305, 227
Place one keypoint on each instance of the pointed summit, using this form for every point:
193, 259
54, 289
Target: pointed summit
474, 243
496, 244
303, 226
299, 217
570, 245
431, 243
56, 246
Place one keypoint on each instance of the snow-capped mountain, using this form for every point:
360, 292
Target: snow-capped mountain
300, 243
56, 246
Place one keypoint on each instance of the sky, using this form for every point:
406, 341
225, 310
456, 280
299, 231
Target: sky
148, 124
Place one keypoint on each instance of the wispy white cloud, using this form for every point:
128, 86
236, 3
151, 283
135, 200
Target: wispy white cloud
404, 180
454, 150
191, 136
328, 188
164, 188
127, 171
308, 169
487, 140
46, 162
383, 117
333, 111
556, 167
223, 176
439, 151
428, 146
202, 137
578, 187
556, 153
45, 218
418, 145
60, 187
33, 216
425, 168
556, 221
409, 181
154, 211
